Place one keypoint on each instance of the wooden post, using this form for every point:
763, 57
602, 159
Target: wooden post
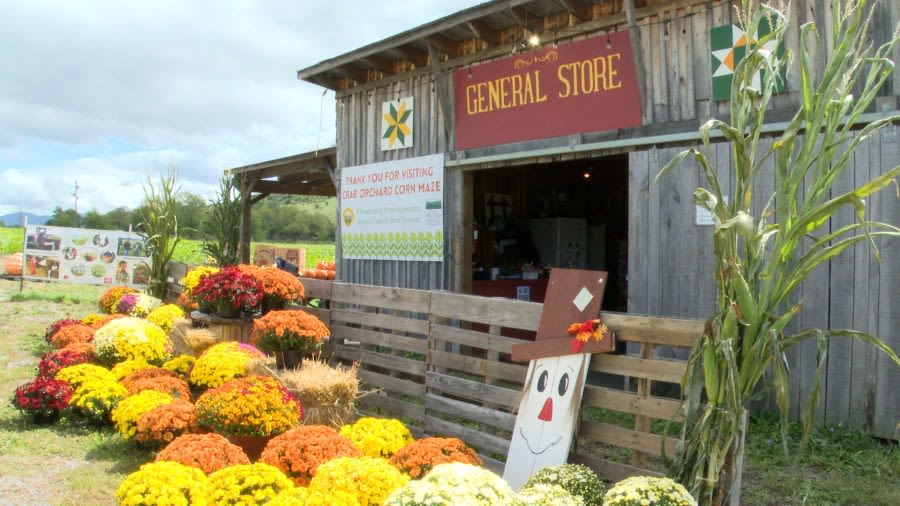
636, 49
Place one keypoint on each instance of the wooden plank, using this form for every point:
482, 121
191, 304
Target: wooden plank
375, 338
322, 314
886, 408
658, 370
483, 442
478, 366
491, 311
491, 464
380, 320
608, 470
627, 402
638, 229
492, 417
473, 338
404, 299
676, 332
653, 263
317, 288
644, 442
345, 352
391, 362
398, 385
863, 300
395, 408
641, 420
839, 368
475, 390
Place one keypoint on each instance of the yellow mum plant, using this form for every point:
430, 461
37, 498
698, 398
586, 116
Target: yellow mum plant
130, 409
378, 437
371, 480
247, 484
164, 483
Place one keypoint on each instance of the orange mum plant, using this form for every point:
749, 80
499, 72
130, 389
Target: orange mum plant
208, 452
176, 387
418, 457
162, 424
74, 333
299, 451
289, 330
278, 285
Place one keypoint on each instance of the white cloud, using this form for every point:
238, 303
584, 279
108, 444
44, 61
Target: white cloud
110, 92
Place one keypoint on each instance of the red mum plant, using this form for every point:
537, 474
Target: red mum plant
55, 326
42, 397
176, 387
68, 334
299, 451
208, 452
230, 286
52, 361
418, 457
162, 424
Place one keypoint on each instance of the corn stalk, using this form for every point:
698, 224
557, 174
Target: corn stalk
221, 228
160, 226
762, 259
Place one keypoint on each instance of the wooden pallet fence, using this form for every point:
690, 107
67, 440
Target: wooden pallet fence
386, 331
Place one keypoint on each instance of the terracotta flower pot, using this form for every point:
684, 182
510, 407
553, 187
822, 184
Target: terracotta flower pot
253, 446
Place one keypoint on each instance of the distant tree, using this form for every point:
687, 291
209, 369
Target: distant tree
93, 219
67, 218
191, 210
120, 218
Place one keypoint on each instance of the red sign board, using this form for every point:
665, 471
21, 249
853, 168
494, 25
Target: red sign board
584, 86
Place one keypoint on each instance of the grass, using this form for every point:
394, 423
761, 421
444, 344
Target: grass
71, 463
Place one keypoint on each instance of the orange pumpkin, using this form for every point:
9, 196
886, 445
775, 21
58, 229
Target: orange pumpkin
13, 264
330, 265
321, 274
330, 274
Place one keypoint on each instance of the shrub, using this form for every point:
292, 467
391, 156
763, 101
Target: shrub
208, 452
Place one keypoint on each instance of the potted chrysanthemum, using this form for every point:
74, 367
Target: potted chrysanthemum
289, 335
248, 411
230, 291
279, 287
43, 399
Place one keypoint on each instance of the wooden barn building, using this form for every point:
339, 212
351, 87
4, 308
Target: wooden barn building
478, 150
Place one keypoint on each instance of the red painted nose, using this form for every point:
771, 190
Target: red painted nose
546, 413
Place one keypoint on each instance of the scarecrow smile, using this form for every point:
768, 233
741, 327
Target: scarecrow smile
538, 451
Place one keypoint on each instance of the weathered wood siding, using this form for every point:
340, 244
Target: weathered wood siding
671, 264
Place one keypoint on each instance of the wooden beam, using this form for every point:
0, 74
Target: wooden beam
485, 33
414, 56
521, 15
357, 74
442, 89
380, 64
443, 43
636, 50
577, 8
244, 230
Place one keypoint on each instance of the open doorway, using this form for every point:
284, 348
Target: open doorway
533, 217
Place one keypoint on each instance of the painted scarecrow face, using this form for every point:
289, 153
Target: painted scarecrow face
547, 415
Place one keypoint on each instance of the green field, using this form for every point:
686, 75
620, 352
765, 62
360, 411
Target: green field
187, 251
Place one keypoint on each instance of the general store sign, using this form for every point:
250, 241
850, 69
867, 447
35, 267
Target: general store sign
393, 210
584, 86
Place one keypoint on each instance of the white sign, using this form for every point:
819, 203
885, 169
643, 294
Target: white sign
547, 416
393, 210
397, 124
86, 256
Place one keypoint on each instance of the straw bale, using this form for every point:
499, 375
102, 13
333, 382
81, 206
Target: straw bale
327, 394
198, 339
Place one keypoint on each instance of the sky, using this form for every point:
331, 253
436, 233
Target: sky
111, 94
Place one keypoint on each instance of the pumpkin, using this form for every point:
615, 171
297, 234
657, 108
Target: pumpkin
13, 264
330, 274
321, 274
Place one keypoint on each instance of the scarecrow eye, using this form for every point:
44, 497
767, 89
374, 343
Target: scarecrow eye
563, 384
542, 381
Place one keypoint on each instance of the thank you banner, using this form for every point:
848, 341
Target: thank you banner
393, 210
584, 86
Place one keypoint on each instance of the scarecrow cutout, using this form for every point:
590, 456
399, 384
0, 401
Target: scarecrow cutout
551, 398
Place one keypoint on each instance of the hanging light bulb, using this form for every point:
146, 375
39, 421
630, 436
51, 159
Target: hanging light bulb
534, 40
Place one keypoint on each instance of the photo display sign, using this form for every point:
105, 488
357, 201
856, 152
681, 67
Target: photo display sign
86, 256
393, 210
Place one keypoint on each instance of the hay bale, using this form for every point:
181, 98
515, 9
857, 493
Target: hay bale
327, 394
197, 340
